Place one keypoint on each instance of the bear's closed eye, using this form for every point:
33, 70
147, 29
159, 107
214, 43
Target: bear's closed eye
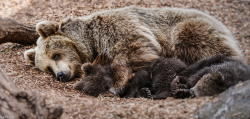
56, 56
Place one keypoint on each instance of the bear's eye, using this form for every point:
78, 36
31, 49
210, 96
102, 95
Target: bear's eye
49, 69
56, 57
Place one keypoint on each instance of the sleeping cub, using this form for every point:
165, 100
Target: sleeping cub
210, 76
168, 77
151, 82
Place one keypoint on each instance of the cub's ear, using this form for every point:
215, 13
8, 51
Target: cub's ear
46, 28
88, 69
29, 56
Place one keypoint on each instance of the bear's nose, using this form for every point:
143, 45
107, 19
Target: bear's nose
62, 76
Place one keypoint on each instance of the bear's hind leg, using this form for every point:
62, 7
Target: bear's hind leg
198, 38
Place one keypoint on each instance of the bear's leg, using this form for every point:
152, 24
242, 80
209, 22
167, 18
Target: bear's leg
163, 94
188, 82
197, 38
192, 69
134, 86
122, 74
138, 55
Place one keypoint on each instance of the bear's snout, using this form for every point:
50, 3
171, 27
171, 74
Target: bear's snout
63, 76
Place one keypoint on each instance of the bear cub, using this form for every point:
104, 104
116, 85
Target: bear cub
98, 79
154, 81
168, 77
210, 76
151, 82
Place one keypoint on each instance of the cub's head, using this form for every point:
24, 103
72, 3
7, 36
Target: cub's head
56, 52
98, 76
169, 67
98, 79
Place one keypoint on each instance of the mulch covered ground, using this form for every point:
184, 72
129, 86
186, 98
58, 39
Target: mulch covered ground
235, 14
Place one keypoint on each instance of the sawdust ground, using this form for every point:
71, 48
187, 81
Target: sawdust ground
235, 14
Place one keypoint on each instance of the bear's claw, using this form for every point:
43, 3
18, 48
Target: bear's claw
147, 92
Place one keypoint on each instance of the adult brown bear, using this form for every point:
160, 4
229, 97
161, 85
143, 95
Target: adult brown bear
133, 37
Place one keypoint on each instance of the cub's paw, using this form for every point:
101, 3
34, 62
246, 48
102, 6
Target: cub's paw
146, 93
182, 93
180, 82
29, 56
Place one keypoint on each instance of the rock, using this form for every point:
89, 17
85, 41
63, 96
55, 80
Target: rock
19, 104
234, 103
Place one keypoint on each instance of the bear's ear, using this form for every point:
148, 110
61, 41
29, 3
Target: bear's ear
88, 69
46, 28
29, 56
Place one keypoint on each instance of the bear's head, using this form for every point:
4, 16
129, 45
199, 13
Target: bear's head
56, 52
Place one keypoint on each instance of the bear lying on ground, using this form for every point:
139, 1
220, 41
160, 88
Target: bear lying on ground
133, 36
170, 77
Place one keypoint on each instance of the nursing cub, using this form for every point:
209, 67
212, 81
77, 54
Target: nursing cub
169, 77
151, 82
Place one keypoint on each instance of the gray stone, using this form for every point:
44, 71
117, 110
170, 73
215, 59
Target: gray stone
234, 103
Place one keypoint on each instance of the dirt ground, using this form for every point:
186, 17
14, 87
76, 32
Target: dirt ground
235, 14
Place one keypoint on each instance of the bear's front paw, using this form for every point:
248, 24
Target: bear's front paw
179, 82
145, 92
182, 93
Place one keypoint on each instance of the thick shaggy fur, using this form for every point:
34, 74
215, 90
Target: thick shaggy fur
210, 76
133, 36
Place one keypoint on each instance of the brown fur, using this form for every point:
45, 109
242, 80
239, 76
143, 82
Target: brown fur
134, 37
98, 76
210, 76
167, 77
98, 79
152, 82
